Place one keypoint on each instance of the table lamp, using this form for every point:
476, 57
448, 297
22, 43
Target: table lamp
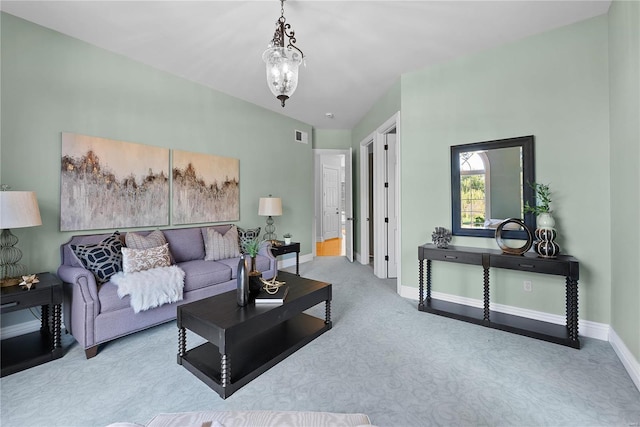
270, 207
18, 209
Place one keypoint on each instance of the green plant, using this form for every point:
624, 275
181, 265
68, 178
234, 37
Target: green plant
251, 247
287, 235
543, 199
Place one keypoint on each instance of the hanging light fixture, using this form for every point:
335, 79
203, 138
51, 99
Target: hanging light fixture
282, 62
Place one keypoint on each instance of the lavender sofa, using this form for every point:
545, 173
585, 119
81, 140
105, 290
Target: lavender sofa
94, 314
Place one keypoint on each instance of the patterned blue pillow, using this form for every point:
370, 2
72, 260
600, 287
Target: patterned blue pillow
103, 259
245, 236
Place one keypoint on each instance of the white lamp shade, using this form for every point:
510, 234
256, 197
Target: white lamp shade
270, 206
19, 209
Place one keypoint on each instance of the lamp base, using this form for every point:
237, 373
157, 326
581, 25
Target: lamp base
10, 281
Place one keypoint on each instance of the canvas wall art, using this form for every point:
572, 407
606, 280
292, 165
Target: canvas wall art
206, 188
107, 184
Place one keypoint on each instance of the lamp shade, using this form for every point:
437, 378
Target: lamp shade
19, 209
270, 206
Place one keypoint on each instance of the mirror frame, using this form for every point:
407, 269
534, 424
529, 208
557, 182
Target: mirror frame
528, 175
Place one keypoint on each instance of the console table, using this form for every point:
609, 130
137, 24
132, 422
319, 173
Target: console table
35, 348
563, 265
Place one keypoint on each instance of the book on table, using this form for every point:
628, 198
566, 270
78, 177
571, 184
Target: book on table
278, 297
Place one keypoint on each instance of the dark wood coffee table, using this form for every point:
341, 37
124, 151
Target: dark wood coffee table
243, 342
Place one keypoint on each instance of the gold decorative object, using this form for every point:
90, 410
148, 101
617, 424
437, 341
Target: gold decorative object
29, 281
271, 286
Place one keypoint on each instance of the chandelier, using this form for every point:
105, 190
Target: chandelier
282, 61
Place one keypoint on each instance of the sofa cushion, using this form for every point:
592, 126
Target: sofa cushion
144, 259
103, 259
221, 245
109, 299
185, 244
201, 273
262, 264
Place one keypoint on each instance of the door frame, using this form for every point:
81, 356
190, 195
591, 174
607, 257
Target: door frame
377, 138
348, 208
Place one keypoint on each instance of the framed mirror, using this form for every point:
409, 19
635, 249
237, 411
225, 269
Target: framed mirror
490, 183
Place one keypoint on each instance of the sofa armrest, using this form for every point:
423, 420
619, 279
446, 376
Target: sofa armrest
81, 304
265, 250
82, 278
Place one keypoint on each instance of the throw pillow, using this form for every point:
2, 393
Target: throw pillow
103, 259
221, 246
138, 241
245, 236
145, 259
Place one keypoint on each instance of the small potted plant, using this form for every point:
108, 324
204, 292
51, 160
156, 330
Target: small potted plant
287, 238
251, 248
542, 209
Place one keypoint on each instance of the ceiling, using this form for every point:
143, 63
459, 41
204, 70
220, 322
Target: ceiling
355, 50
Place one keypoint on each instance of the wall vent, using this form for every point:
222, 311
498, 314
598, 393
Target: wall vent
302, 137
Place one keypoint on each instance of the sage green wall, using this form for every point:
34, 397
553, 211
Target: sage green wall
53, 83
624, 86
332, 139
382, 110
553, 86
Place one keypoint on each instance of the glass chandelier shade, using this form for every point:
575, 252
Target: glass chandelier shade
282, 71
282, 61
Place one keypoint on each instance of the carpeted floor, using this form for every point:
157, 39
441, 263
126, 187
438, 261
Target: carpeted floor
383, 358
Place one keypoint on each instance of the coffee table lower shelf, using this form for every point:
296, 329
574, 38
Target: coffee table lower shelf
255, 355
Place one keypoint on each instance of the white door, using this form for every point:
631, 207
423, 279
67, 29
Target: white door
391, 206
330, 202
348, 208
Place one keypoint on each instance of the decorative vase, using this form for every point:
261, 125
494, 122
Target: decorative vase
254, 278
242, 277
545, 235
287, 240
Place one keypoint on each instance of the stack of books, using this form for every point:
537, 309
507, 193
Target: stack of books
264, 297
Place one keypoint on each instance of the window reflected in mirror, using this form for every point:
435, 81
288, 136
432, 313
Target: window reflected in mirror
489, 186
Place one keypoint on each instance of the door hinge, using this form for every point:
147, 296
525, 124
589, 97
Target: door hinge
386, 220
386, 185
386, 146
386, 257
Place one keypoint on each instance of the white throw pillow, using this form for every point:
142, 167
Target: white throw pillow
221, 246
145, 259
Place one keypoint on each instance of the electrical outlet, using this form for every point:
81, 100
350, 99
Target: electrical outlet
527, 286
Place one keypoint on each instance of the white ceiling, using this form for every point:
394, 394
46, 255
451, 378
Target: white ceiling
355, 50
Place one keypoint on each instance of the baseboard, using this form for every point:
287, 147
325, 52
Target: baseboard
626, 357
290, 261
586, 328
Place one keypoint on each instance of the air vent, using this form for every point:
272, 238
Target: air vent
302, 137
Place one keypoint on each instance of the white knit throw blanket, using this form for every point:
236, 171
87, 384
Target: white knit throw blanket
150, 288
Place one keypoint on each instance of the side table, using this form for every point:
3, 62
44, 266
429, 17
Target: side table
288, 249
32, 349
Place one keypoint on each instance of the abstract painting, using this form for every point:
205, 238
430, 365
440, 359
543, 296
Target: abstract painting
108, 184
206, 188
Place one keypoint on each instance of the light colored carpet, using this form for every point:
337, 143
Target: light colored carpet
383, 358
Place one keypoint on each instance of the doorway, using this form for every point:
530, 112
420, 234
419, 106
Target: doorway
333, 234
380, 199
